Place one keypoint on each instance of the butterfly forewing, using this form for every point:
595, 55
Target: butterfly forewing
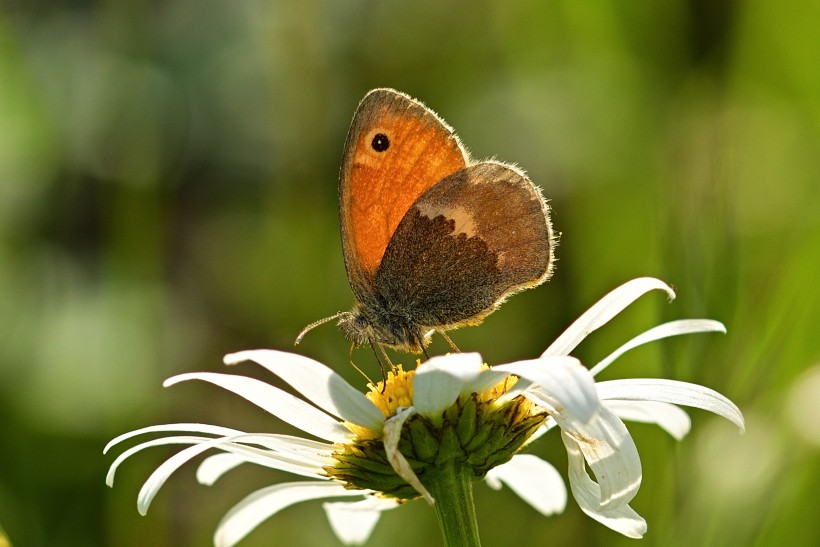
396, 149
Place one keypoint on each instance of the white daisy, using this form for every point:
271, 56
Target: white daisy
432, 431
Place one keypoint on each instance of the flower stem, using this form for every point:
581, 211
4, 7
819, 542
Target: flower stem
452, 489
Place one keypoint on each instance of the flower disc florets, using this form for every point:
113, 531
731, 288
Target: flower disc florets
478, 431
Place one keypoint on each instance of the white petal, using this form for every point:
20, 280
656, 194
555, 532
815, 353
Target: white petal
493, 481
392, 434
213, 467
184, 427
666, 330
561, 383
353, 522
439, 381
318, 383
167, 468
603, 311
610, 452
263, 504
305, 451
351, 527
295, 445
279, 403
309, 455
670, 418
188, 439
488, 378
587, 493
534, 480
308, 465
674, 392
482, 382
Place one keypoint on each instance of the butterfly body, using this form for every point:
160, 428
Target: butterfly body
432, 241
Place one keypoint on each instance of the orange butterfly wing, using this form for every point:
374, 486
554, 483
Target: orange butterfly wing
395, 150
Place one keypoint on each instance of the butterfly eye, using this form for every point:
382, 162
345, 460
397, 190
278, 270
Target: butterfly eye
380, 142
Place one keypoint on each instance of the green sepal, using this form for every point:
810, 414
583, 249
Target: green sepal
424, 441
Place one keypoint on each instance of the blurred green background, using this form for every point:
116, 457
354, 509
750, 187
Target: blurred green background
168, 178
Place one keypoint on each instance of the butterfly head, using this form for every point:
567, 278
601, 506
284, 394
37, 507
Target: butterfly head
366, 325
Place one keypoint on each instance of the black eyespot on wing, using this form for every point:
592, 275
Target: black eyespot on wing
380, 142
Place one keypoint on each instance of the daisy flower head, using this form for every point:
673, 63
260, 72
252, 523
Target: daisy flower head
431, 432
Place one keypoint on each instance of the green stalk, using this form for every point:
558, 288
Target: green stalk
452, 489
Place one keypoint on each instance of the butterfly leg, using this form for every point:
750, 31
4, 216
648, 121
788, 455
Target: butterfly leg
449, 341
381, 363
386, 358
360, 371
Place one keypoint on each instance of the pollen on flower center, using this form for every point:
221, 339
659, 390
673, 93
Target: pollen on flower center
394, 392
388, 395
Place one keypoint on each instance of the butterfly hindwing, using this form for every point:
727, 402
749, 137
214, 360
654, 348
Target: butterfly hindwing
469, 241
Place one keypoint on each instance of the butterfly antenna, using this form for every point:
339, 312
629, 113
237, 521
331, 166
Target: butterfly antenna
316, 324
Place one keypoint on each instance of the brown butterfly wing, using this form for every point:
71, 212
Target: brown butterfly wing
396, 149
466, 244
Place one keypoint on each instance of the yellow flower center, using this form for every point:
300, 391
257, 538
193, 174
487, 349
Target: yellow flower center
396, 391
478, 431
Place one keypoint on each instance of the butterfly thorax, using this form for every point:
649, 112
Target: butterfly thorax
375, 324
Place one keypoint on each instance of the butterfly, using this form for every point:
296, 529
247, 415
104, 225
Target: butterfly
432, 240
